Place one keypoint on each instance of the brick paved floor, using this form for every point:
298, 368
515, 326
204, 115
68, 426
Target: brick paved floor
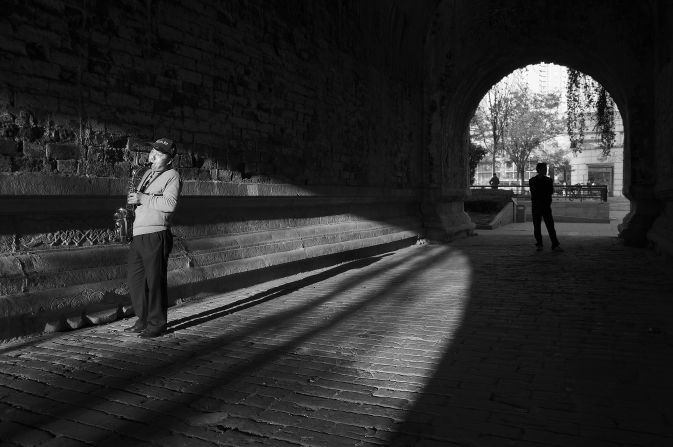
483, 342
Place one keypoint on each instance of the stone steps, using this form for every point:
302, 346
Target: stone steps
43, 290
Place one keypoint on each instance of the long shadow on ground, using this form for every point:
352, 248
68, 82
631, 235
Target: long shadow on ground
90, 390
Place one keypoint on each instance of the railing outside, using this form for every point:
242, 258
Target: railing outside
566, 192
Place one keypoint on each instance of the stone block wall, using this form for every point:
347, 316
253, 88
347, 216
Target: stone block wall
298, 132
62, 267
251, 90
660, 235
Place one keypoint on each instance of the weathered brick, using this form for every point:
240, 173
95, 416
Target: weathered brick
8, 146
123, 100
65, 59
5, 163
42, 69
28, 164
13, 45
76, 430
189, 173
36, 102
17, 433
63, 151
66, 166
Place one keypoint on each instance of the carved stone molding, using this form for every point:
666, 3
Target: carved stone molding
76, 238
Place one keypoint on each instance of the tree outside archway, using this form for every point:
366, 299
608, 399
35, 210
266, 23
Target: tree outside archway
512, 121
534, 120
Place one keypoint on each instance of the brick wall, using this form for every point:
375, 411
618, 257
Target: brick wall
664, 100
258, 91
297, 123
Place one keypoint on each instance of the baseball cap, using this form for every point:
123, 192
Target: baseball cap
166, 146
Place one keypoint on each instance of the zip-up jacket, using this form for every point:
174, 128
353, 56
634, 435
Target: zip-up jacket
158, 202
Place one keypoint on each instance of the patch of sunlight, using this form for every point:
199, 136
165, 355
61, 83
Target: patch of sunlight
414, 328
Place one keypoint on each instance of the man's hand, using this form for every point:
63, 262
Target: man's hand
134, 198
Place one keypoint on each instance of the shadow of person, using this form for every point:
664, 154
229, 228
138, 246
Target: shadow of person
270, 294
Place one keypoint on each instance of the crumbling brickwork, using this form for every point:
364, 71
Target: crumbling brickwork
297, 125
306, 128
273, 91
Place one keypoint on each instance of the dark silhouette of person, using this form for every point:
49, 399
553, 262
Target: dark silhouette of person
494, 182
541, 190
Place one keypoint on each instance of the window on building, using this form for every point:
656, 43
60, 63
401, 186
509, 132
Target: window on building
602, 175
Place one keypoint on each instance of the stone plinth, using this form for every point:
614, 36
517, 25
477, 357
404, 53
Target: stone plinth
588, 211
60, 263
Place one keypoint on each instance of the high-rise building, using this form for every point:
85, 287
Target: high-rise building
546, 78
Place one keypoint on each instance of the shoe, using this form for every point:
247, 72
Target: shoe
557, 249
538, 247
136, 328
153, 332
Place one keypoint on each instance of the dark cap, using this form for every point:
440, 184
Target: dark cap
166, 146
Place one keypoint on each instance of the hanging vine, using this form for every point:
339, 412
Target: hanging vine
605, 120
575, 122
588, 101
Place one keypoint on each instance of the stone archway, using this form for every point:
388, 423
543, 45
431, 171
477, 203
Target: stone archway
465, 57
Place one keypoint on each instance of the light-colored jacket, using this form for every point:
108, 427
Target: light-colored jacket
158, 203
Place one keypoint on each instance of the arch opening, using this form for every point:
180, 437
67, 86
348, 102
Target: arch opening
589, 171
546, 128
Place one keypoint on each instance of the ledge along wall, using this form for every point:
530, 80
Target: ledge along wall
67, 271
298, 133
588, 211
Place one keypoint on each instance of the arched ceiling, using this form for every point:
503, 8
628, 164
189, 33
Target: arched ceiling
470, 45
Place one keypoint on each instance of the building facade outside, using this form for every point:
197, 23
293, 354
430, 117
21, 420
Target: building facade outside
592, 167
505, 169
588, 167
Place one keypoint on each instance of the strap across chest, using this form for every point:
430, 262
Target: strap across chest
151, 177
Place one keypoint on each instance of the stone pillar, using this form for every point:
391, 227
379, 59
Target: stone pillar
455, 221
640, 165
445, 220
661, 233
443, 211
635, 226
444, 216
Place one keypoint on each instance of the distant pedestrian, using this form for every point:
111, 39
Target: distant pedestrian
541, 190
494, 182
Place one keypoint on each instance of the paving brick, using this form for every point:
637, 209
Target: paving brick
38, 403
180, 440
21, 434
21, 416
76, 430
121, 440
62, 441
432, 345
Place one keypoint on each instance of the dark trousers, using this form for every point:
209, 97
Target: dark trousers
541, 212
147, 276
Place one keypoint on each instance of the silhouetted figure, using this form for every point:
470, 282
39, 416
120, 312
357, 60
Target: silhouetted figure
541, 190
494, 182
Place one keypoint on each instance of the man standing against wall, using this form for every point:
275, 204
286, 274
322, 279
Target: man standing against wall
541, 190
157, 198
